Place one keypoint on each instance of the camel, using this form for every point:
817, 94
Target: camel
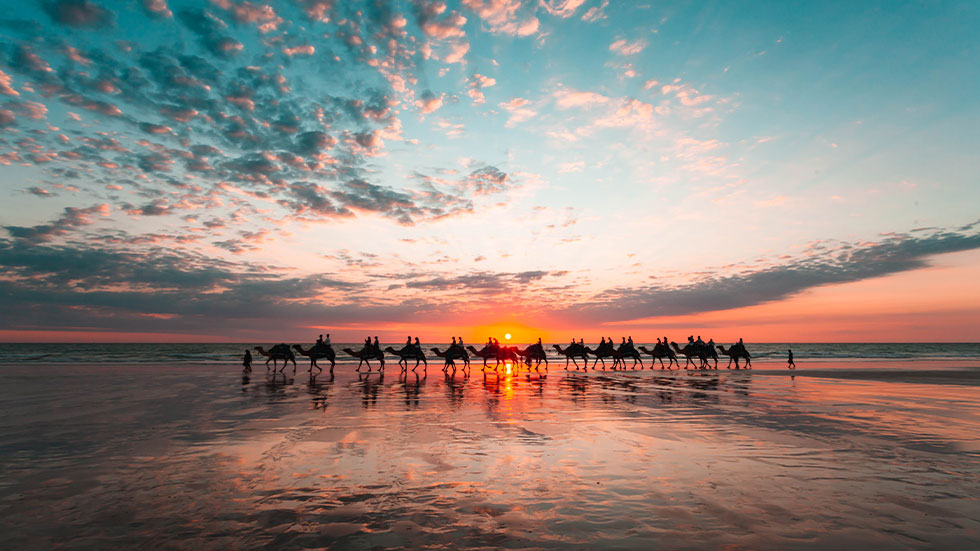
601, 352
661, 351
501, 354
734, 353
408, 352
316, 352
574, 351
534, 352
367, 354
280, 351
453, 353
690, 351
627, 351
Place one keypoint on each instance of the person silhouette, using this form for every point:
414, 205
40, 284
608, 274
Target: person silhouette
376, 345
247, 362
319, 340
418, 345
658, 341
454, 341
790, 363
326, 341
461, 342
602, 342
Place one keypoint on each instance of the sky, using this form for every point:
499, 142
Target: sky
245, 171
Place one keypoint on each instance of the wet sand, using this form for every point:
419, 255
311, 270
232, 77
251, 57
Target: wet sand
881, 455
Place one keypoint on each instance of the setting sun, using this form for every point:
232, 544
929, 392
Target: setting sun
507, 336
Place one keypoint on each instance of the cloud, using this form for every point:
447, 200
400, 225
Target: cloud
519, 111
5, 85
450, 25
477, 83
566, 98
562, 8
429, 102
505, 16
70, 219
596, 13
299, 50
157, 8
78, 13
623, 47
210, 31
847, 262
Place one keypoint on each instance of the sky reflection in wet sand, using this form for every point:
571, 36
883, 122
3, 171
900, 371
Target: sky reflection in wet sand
189, 457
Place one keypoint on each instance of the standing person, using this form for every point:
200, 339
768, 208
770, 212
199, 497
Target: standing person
790, 363
247, 361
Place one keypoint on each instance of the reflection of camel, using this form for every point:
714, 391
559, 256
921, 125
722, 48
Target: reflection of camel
367, 354
534, 352
690, 351
574, 351
499, 353
453, 353
627, 351
280, 351
408, 352
661, 351
316, 352
734, 353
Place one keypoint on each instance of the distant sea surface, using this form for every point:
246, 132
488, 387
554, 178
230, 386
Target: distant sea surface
218, 353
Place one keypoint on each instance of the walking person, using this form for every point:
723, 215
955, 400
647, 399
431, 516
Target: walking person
247, 362
790, 363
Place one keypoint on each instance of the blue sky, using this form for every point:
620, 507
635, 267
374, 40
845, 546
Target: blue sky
346, 162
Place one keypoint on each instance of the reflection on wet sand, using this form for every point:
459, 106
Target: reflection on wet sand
190, 458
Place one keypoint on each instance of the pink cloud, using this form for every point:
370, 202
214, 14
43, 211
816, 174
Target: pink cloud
502, 17
428, 104
457, 52
157, 8
519, 112
562, 8
477, 83
596, 13
451, 26
299, 50
622, 47
566, 98
246, 12
5, 85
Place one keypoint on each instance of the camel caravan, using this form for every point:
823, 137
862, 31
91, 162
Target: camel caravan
697, 354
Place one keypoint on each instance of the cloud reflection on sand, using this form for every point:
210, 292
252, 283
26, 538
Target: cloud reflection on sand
188, 457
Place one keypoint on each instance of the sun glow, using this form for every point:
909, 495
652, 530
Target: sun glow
507, 336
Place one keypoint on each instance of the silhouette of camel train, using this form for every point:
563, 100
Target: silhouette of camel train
697, 354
